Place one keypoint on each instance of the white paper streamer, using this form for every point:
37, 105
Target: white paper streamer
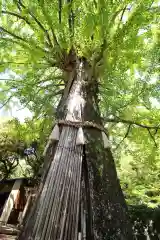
55, 133
105, 140
46, 147
80, 140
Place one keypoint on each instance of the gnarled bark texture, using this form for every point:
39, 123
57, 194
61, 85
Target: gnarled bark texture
80, 196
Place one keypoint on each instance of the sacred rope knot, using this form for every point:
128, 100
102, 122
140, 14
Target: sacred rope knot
78, 124
80, 139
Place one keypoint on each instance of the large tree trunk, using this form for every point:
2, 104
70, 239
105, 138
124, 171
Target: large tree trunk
81, 191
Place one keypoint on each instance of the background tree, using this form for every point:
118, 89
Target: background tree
117, 43
21, 148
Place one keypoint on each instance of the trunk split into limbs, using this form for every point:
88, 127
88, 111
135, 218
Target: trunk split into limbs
80, 195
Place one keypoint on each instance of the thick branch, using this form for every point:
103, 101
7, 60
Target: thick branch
71, 17
119, 120
12, 40
3, 63
60, 10
16, 15
24, 19
29, 23
41, 3
38, 23
131, 123
13, 35
41, 26
23, 63
24, 43
18, 38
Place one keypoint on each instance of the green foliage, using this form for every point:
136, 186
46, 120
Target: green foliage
118, 37
11, 149
138, 163
15, 138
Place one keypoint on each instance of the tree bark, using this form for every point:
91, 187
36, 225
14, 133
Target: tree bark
101, 195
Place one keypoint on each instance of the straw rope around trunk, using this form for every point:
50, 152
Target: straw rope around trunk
54, 136
86, 124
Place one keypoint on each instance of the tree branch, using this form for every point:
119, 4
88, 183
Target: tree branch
5, 103
3, 63
17, 4
95, 3
70, 17
25, 106
17, 15
149, 131
41, 3
133, 98
29, 23
60, 10
12, 40
115, 15
13, 35
99, 57
124, 9
38, 23
23, 63
25, 43
119, 120
125, 136
131, 123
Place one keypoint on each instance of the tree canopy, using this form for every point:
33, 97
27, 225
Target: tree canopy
120, 39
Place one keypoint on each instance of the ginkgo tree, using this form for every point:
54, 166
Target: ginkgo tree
85, 64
